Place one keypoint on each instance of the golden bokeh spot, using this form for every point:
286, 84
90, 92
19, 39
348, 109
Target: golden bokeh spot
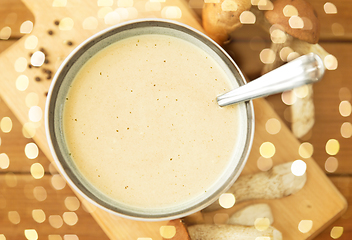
31, 150
54, 237
37, 59
247, 17
35, 114
255, 2
264, 164
278, 36
229, 5
71, 237
344, 94
66, 24
267, 56
284, 52
332, 147
307, 24
52, 169
14, 217
39, 193
330, 8
267, 150
90, 23
58, 182
38, 215
37, 171
290, 11
5, 33
262, 224
301, 92
330, 62
345, 108
26, 27
296, 22
105, 3
288, 97
125, 3
346, 130
132, 12
56, 221
227, 200
152, 6
59, 3
31, 42
11, 179
293, 56
167, 231
331, 164
70, 218
31, 234
220, 218
171, 12
337, 29
273, 126
2, 237
20, 64
265, 5
306, 150
103, 11
4, 161
336, 232
32, 99
298, 168
28, 130
112, 18
72, 203
305, 226
123, 13
22, 82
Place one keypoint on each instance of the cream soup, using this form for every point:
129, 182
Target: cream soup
142, 123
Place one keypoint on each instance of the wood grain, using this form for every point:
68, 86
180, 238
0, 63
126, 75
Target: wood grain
114, 226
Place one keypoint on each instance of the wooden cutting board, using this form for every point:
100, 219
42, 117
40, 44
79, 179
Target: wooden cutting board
319, 201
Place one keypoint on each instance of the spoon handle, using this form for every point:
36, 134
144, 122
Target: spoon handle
306, 69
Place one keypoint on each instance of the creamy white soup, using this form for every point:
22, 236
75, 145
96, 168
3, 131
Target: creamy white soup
142, 123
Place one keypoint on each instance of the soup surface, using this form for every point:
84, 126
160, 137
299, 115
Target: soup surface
142, 123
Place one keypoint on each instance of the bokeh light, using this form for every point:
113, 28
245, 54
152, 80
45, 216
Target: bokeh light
298, 168
305, 226
247, 17
66, 24
37, 171
14, 217
332, 147
267, 149
38, 215
31, 150
227, 200
331, 164
346, 130
167, 231
330, 8
273, 126
31, 234
26, 27
261, 224
4, 161
56, 221
264, 164
306, 150
336, 232
31, 42
345, 108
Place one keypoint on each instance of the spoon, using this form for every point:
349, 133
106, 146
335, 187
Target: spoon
306, 69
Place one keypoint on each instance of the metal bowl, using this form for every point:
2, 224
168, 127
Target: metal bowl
58, 92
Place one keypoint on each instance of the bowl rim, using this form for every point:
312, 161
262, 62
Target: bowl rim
49, 110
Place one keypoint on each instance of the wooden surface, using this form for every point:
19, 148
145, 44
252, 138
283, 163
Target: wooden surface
245, 51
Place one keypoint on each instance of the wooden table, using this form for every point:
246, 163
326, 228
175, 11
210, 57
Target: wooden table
48, 194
